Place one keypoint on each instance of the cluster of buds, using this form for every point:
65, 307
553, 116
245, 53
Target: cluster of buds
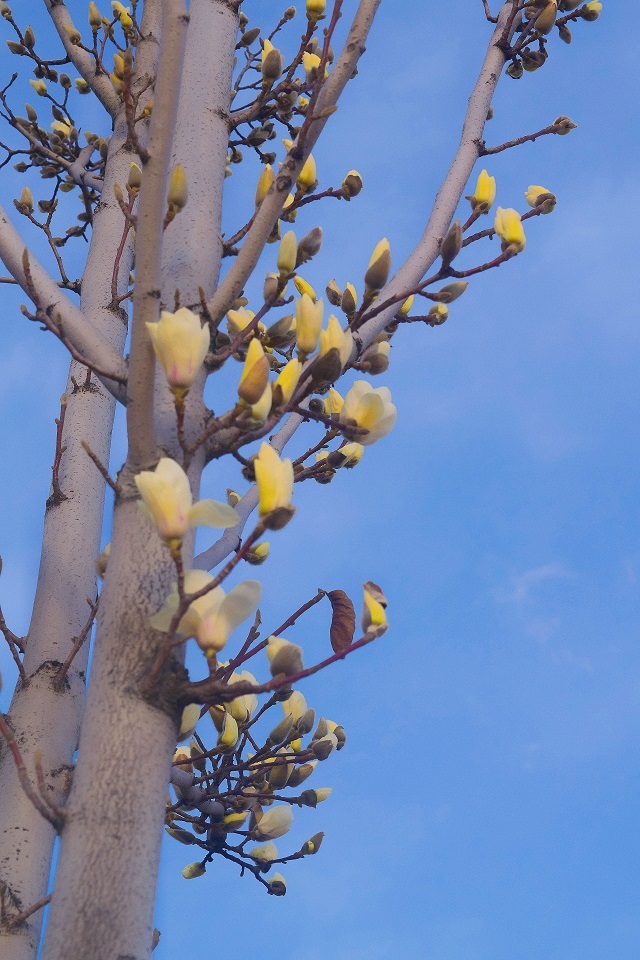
540, 17
235, 802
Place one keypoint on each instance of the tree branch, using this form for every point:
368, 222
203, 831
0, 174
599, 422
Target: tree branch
78, 330
426, 252
151, 210
82, 61
272, 205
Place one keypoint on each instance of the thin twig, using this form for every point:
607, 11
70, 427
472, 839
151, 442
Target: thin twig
19, 918
101, 467
16, 646
58, 680
42, 808
529, 138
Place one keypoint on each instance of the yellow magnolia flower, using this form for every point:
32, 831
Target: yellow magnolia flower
484, 194
333, 403
188, 720
275, 481
295, 706
180, 343
374, 617
508, 225
316, 8
243, 707
264, 853
286, 383
239, 320
334, 337
310, 63
275, 823
167, 502
406, 306
177, 196
212, 618
39, 86
369, 408
229, 734
303, 287
352, 452
287, 254
307, 178
308, 323
261, 410
537, 196
61, 128
123, 14
265, 181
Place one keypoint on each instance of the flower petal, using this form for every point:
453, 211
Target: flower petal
213, 513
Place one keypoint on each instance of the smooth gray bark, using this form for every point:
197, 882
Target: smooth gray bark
104, 895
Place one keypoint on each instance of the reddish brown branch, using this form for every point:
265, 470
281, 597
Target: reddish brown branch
43, 808
78, 641
101, 467
16, 647
212, 690
57, 496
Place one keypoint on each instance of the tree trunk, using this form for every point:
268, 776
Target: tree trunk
104, 895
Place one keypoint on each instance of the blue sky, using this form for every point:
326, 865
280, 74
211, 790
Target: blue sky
485, 807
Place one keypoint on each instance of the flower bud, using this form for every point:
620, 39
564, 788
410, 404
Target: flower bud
309, 246
266, 179
351, 185
255, 374
452, 244
546, 18
287, 254
451, 291
177, 196
334, 293
284, 657
565, 125
258, 554
95, 17
349, 303
540, 199
312, 845
286, 383
25, 203
379, 266
515, 69
591, 11
277, 885
438, 314
193, 870
315, 9
272, 63
39, 86
300, 774
307, 179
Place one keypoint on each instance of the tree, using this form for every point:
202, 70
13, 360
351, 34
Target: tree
151, 194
